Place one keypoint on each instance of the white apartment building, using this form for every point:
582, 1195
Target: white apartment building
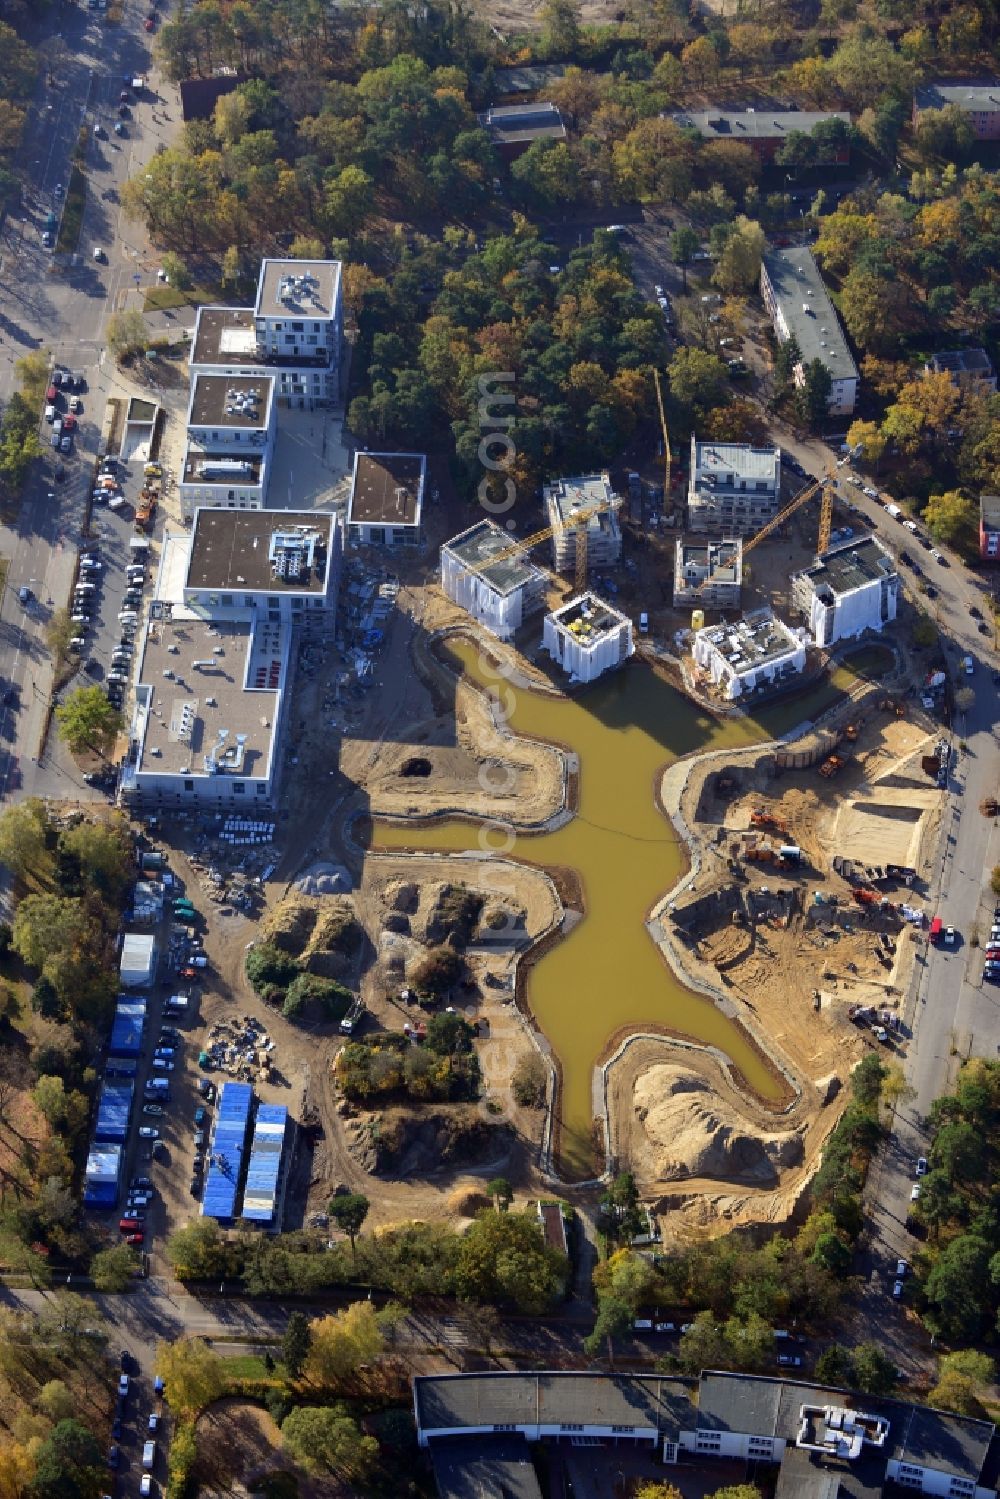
293, 332
387, 499
799, 307
756, 651
566, 497
498, 587
588, 637
851, 588
215, 669
230, 431
734, 488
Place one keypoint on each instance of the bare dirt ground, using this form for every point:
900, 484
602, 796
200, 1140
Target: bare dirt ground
798, 978
238, 1443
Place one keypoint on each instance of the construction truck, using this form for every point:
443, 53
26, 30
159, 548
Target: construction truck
831, 766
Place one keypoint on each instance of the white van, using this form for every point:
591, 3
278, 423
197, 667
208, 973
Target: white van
84, 588
149, 1456
644, 623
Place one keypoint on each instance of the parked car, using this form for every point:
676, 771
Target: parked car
921, 1165
148, 1132
123, 1386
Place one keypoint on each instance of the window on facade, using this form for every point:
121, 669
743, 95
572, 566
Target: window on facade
297, 327
189, 785
962, 1486
571, 1426
312, 339
227, 601
504, 1426
248, 600
623, 1428
261, 788
239, 788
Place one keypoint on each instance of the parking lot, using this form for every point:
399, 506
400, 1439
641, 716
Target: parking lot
139, 1435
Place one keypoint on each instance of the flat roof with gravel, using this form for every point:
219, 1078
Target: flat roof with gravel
298, 288
225, 401
809, 314
261, 550
387, 489
190, 705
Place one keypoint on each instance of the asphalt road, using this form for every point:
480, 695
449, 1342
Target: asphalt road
61, 304
950, 1012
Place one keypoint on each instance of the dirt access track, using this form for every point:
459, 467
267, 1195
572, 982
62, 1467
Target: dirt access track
700, 1144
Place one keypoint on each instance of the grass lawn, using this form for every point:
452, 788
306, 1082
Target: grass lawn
250, 1366
868, 661
160, 298
72, 219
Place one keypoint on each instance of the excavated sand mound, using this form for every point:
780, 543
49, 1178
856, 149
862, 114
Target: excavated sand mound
691, 1132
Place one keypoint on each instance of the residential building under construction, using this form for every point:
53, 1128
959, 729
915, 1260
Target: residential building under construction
708, 574
757, 651
588, 637
734, 488
851, 588
566, 497
486, 575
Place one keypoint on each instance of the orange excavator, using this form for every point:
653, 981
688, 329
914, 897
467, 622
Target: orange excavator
760, 817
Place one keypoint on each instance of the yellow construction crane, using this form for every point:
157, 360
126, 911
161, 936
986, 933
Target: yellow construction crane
666, 441
803, 496
578, 520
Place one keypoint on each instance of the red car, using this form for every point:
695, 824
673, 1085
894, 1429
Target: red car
150, 23
69, 422
129, 1223
136, 1238
51, 394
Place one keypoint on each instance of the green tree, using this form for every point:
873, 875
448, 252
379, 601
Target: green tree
437, 971
501, 1192
698, 380
448, 1034
23, 830
620, 1217
59, 631
46, 926
814, 396
192, 1373
613, 1320
547, 173
503, 1257
56, 1401
683, 243
324, 1438
348, 201
177, 273
956, 1392
951, 517
69, 1463
704, 1345
833, 1254
944, 134
959, 1151
268, 967
529, 1081
835, 1366
103, 851
112, 1270
738, 268
874, 1370
957, 1288
349, 1211
296, 1343
560, 21
342, 1343
86, 720
197, 1251
126, 334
